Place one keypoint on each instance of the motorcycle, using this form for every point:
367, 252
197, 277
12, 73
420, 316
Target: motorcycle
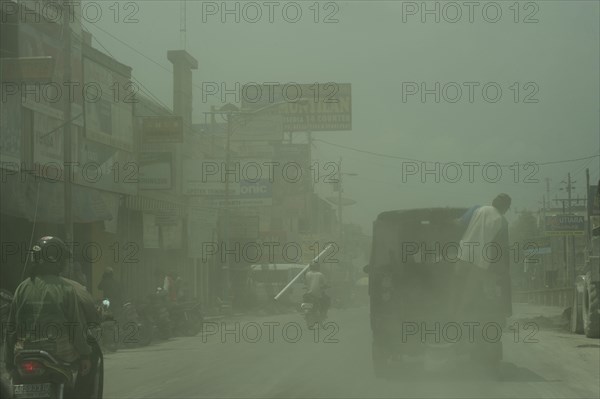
187, 318
134, 330
38, 374
312, 311
154, 313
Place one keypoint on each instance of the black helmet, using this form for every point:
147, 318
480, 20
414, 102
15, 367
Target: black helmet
50, 251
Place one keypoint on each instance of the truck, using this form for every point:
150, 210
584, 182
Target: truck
413, 288
585, 310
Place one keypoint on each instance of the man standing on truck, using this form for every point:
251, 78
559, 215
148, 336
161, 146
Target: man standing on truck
483, 291
484, 255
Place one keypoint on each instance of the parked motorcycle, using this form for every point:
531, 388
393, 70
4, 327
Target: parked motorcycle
154, 312
134, 330
187, 318
38, 374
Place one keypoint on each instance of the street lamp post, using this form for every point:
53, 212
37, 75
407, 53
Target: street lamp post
339, 201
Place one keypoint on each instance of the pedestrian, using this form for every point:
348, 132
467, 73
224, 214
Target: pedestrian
170, 287
180, 287
111, 289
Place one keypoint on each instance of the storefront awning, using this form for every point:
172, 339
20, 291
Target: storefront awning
25, 196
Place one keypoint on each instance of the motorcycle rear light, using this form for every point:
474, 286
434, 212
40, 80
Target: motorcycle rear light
31, 367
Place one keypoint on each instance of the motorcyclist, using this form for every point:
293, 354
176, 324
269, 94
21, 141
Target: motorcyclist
47, 310
316, 284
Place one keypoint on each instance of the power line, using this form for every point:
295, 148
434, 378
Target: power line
134, 49
443, 163
132, 77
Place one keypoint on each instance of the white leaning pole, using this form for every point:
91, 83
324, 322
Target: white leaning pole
316, 259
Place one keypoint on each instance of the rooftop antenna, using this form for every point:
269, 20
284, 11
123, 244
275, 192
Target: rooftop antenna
183, 24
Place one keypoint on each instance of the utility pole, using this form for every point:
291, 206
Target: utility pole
589, 222
570, 256
572, 238
67, 155
339, 202
226, 269
183, 24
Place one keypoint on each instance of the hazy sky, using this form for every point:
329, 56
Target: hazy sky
379, 46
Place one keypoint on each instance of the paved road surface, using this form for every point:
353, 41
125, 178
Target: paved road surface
287, 360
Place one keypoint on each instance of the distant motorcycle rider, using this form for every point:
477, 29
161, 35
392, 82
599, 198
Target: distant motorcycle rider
47, 311
316, 284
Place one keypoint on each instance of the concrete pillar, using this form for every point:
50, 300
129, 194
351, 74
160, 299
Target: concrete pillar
183, 63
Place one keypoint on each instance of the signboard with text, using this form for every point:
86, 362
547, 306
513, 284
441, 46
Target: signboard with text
155, 170
250, 180
161, 129
565, 225
304, 107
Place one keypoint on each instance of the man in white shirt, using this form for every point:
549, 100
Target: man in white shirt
484, 257
317, 283
482, 284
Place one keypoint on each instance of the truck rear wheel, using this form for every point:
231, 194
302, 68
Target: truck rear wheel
381, 357
488, 353
576, 313
591, 308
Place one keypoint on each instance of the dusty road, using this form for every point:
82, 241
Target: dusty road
278, 357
